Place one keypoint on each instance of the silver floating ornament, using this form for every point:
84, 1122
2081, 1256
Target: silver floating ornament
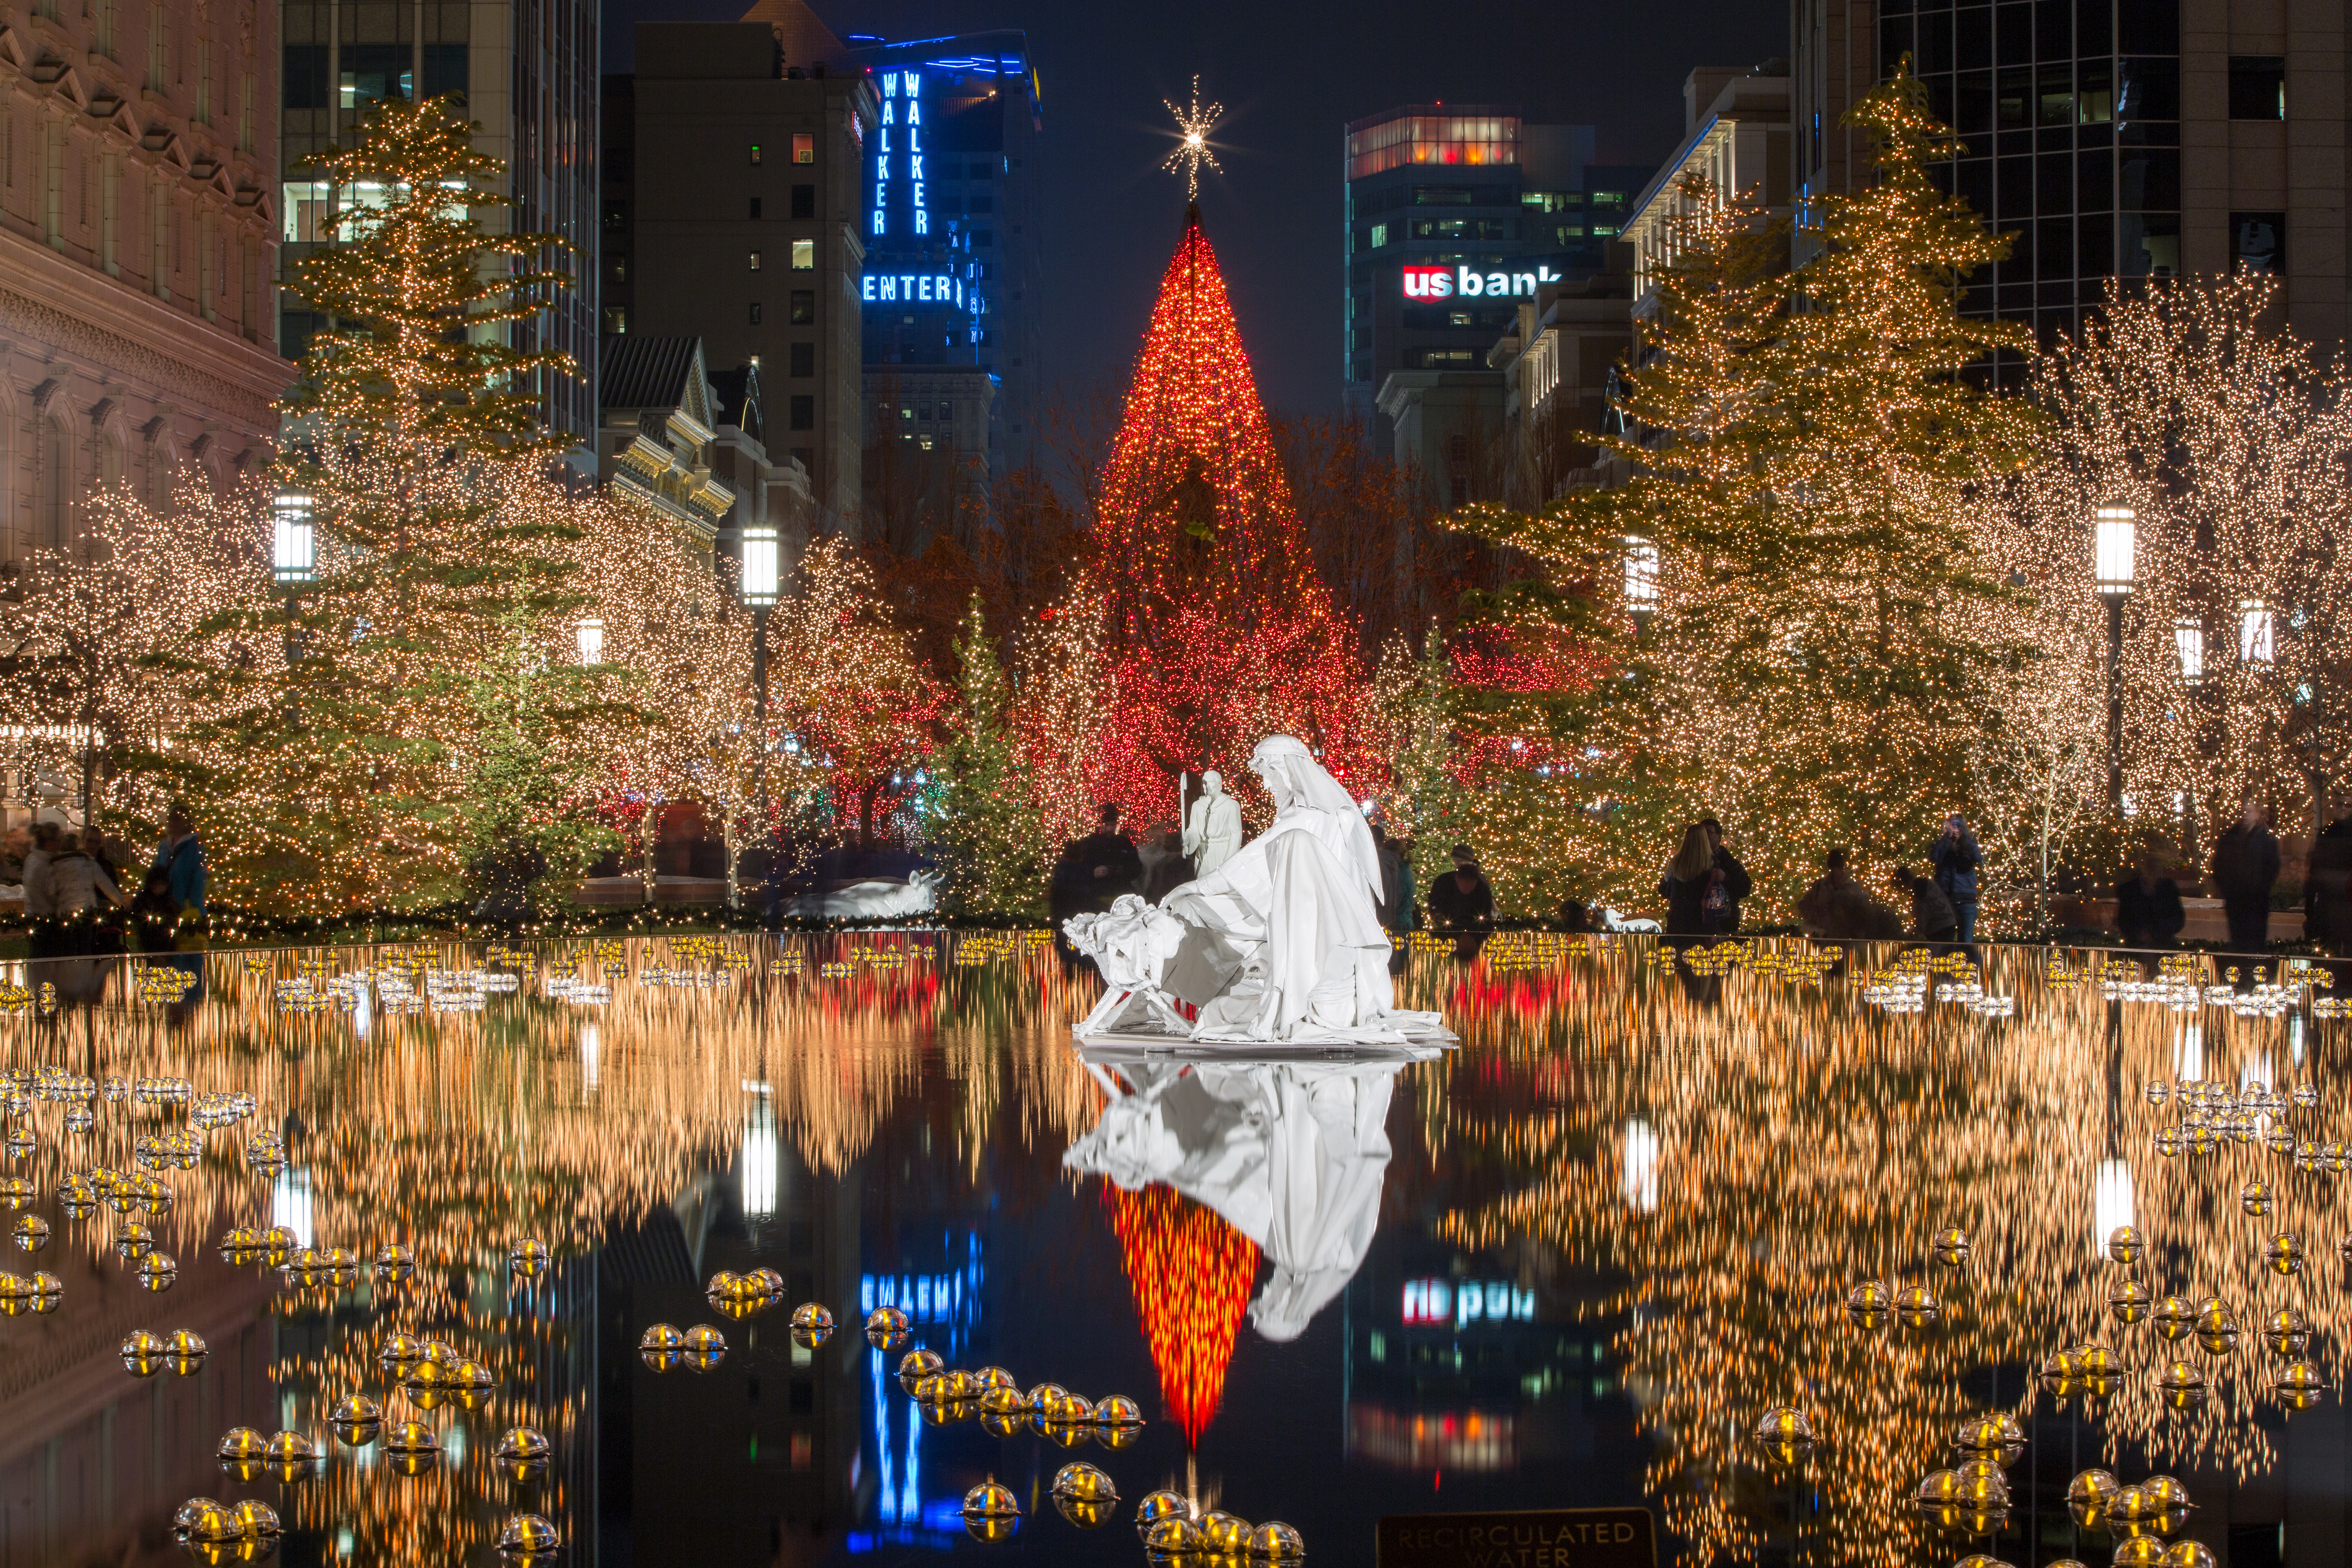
887, 1328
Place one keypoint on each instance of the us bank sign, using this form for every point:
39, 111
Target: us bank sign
1468, 282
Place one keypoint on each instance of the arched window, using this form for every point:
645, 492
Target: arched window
53, 485
109, 459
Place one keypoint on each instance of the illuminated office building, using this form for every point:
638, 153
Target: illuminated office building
951, 294
2127, 138
1453, 216
526, 71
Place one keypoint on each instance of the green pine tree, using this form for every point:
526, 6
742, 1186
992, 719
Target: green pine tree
1810, 661
332, 756
988, 832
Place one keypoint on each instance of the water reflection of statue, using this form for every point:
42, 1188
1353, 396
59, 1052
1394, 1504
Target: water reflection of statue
1213, 827
1281, 943
1291, 1156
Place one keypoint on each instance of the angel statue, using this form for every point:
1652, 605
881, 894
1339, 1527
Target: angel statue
1282, 944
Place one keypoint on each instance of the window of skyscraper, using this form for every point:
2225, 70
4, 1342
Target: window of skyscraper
755, 151
803, 200
804, 147
803, 307
803, 361
2257, 87
804, 255
804, 410
755, 312
755, 261
2258, 240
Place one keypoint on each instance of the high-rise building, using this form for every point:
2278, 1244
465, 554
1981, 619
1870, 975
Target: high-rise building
735, 204
1453, 215
951, 289
2124, 139
138, 187
527, 70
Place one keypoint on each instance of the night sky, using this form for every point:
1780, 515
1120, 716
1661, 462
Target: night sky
1290, 75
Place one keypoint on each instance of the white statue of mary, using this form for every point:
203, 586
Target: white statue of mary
1281, 943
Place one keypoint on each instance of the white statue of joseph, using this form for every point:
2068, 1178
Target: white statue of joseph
1212, 828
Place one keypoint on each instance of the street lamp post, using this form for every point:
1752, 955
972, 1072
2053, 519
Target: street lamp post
2115, 576
761, 578
1641, 582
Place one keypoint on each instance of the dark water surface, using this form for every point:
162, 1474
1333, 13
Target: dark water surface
1571, 1265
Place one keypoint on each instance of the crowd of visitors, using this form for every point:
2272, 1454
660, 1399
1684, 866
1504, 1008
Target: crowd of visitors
73, 897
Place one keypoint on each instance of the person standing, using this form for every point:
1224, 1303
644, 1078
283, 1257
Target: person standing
1732, 890
1170, 867
2246, 870
1957, 858
1109, 862
1462, 900
2328, 887
2149, 911
1932, 919
1391, 876
1838, 907
41, 903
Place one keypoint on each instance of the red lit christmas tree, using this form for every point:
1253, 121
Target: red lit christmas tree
1217, 630
1191, 1275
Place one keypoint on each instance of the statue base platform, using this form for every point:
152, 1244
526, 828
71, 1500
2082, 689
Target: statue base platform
1120, 1047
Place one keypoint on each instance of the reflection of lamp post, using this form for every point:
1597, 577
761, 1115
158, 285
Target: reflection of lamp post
2113, 549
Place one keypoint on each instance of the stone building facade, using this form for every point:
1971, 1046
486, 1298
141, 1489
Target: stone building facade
137, 253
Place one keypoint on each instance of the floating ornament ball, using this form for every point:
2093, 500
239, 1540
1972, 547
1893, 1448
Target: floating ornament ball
2129, 1301
1003, 1403
1042, 1396
1172, 1536
812, 1325
2139, 1552
157, 1272
1157, 1506
916, 1365
991, 1512
394, 1262
1277, 1542
1951, 1246
705, 1347
2174, 1319
241, 1443
133, 1241
887, 1328
202, 1521
32, 1232
2284, 1254
1784, 1424
1085, 1483
2286, 1332
355, 1420
2254, 1198
2299, 1384
528, 1534
1915, 1306
1222, 1533
2181, 1386
1117, 1410
528, 1258
2126, 1244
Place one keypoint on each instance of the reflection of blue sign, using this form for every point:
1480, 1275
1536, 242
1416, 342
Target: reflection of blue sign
948, 1300
1466, 1301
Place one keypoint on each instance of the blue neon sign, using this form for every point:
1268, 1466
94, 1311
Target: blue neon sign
902, 112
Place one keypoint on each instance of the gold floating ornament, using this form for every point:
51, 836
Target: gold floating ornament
1084, 1515
355, 1420
1173, 1536
2299, 1384
1997, 1438
1084, 1483
2286, 1332
2129, 1301
202, 1521
1005, 1404
143, 1354
1043, 1394
1784, 1433
991, 1512
2174, 1318
522, 1453
917, 1365
32, 1232
1951, 1246
528, 1258
990, 1377
132, 1242
2126, 1244
2181, 1386
244, 1453
1275, 1541
397, 1351
812, 1325
413, 1446
2256, 1198
1868, 1303
528, 1534
2284, 1254
705, 1348
394, 1262
2189, 1554
887, 1328
1223, 1533
15, 1191
2139, 1552
1157, 1506
1916, 1306
2091, 1497
1117, 1410
157, 1272
1936, 1488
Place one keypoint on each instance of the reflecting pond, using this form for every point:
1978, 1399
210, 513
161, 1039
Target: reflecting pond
398, 1254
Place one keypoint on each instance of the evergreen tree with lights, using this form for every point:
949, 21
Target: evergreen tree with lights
1218, 629
417, 457
1803, 639
988, 832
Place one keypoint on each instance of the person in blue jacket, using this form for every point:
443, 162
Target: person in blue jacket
180, 859
1955, 858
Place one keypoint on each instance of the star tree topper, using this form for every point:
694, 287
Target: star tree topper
1194, 125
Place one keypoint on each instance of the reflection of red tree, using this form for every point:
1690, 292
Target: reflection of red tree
1191, 1275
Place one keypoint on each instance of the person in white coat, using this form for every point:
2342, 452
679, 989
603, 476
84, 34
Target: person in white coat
1213, 825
